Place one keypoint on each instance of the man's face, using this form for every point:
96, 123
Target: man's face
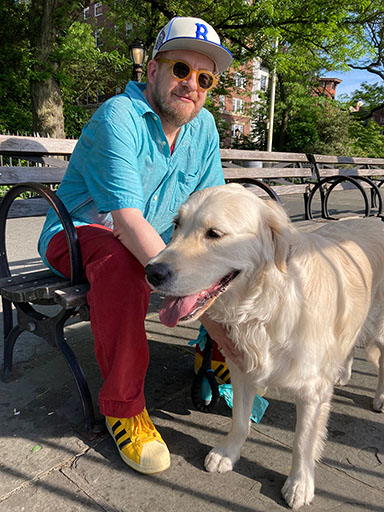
177, 102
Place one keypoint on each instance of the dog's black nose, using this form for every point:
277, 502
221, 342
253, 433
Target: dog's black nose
158, 273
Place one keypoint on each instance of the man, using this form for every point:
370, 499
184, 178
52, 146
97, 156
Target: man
136, 162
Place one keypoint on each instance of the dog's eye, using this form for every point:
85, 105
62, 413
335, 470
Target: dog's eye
175, 223
213, 233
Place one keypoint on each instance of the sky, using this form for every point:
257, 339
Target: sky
352, 80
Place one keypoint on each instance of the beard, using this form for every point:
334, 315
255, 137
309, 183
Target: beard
172, 112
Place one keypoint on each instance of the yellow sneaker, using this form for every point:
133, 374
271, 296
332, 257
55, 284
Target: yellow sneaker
140, 444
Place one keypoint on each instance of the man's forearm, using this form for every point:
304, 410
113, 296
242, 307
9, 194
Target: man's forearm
136, 234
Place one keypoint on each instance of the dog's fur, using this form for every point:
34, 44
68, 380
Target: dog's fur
295, 311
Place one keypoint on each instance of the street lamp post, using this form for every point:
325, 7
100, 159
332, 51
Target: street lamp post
272, 102
137, 55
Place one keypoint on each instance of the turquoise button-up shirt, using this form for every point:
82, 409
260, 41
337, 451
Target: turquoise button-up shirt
123, 160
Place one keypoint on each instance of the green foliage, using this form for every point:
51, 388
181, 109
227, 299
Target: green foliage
85, 71
312, 36
15, 112
367, 139
332, 131
75, 118
369, 98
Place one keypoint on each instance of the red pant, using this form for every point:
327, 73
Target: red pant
118, 300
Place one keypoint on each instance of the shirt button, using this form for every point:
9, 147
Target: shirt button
155, 198
163, 143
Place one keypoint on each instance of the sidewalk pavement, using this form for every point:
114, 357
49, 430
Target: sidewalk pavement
47, 463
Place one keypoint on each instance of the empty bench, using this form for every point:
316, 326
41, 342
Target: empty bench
273, 174
337, 173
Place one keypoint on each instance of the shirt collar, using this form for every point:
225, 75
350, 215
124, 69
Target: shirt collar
135, 91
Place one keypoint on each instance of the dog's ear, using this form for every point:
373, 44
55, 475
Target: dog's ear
279, 224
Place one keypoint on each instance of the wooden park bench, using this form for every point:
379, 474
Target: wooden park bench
337, 173
273, 174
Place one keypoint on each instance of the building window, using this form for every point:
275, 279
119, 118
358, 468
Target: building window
98, 38
86, 13
237, 105
239, 80
263, 82
98, 9
237, 130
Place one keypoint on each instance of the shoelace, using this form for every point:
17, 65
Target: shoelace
143, 428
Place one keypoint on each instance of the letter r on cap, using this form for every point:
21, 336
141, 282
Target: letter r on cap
201, 31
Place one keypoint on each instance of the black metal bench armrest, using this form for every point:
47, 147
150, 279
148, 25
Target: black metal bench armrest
254, 181
65, 219
333, 181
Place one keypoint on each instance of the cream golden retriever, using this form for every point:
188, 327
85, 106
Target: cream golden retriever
294, 304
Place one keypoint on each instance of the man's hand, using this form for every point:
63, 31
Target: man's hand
219, 334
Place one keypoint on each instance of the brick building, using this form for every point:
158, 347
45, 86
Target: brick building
328, 86
235, 107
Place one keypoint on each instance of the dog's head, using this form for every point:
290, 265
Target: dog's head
222, 235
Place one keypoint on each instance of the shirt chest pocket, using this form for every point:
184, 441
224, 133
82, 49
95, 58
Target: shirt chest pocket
186, 183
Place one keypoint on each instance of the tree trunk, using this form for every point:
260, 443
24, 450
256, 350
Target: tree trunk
47, 103
47, 108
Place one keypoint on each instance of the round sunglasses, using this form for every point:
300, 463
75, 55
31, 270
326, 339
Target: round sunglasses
182, 71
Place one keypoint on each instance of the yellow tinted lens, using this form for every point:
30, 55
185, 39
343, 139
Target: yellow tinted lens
181, 70
205, 80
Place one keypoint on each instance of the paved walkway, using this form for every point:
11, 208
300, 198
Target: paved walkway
48, 464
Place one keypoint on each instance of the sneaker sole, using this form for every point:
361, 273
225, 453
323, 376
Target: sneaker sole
133, 464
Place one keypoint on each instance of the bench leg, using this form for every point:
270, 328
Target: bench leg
51, 329
9, 344
7, 317
81, 382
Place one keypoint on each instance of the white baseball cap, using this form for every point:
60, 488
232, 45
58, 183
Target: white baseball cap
196, 35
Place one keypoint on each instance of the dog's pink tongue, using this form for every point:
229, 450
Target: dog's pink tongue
174, 308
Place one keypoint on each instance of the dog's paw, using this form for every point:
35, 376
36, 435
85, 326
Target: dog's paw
217, 462
298, 492
378, 404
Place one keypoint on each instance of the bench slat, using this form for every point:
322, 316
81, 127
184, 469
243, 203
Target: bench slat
72, 297
267, 172
264, 156
350, 172
21, 278
279, 189
33, 287
347, 185
34, 207
13, 175
332, 159
14, 145
290, 189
